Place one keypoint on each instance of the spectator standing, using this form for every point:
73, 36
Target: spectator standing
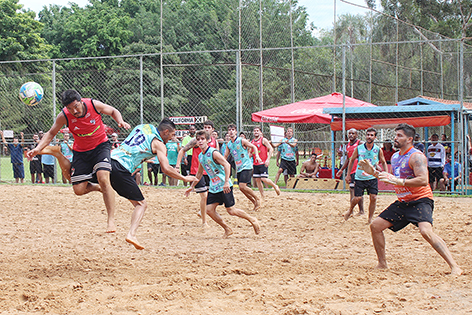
436, 155
16, 156
114, 141
48, 167
36, 168
173, 147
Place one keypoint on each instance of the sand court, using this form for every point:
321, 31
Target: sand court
56, 258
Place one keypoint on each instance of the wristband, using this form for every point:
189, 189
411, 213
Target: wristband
404, 181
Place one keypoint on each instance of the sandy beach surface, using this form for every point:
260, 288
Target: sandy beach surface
55, 257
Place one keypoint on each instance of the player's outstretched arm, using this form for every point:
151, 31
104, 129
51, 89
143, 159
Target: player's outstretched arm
161, 151
111, 111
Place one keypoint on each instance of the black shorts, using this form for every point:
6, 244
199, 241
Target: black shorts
352, 182
203, 185
435, 174
155, 168
370, 185
260, 171
36, 167
184, 169
124, 183
86, 164
400, 214
48, 170
289, 166
245, 176
221, 198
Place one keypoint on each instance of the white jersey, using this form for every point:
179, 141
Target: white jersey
436, 155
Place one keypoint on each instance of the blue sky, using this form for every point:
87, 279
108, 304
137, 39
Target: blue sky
320, 11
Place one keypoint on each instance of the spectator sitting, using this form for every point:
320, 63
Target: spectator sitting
445, 183
309, 168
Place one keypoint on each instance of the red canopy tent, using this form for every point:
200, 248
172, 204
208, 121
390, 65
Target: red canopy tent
307, 111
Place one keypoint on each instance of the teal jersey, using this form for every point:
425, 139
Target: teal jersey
286, 151
172, 152
240, 155
136, 148
364, 154
215, 171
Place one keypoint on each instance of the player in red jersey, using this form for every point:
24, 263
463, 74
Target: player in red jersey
261, 169
91, 160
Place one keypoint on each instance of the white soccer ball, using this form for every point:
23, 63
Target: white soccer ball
31, 93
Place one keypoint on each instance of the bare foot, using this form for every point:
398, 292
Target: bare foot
204, 225
360, 213
277, 190
134, 241
228, 232
257, 205
111, 228
381, 266
256, 226
456, 271
347, 215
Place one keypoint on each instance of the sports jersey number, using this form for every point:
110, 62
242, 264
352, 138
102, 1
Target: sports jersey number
136, 139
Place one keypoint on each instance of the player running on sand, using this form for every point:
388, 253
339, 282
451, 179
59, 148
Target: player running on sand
221, 188
415, 199
143, 143
91, 160
261, 169
238, 148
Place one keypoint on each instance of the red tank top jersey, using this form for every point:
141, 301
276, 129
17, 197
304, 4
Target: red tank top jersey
350, 151
88, 130
196, 151
261, 149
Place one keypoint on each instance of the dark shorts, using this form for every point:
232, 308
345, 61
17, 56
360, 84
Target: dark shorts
124, 183
370, 185
435, 174
184, 169
36, 167
221, 198
86, 164
155, 168
18, 170
203, 185
352, 182
289, 166
245, 176
400, 214
48, 170
260, 171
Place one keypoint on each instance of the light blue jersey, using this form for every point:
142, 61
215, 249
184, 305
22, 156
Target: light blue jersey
136, 148
215, 171
286, 151
364, 154
240, 155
